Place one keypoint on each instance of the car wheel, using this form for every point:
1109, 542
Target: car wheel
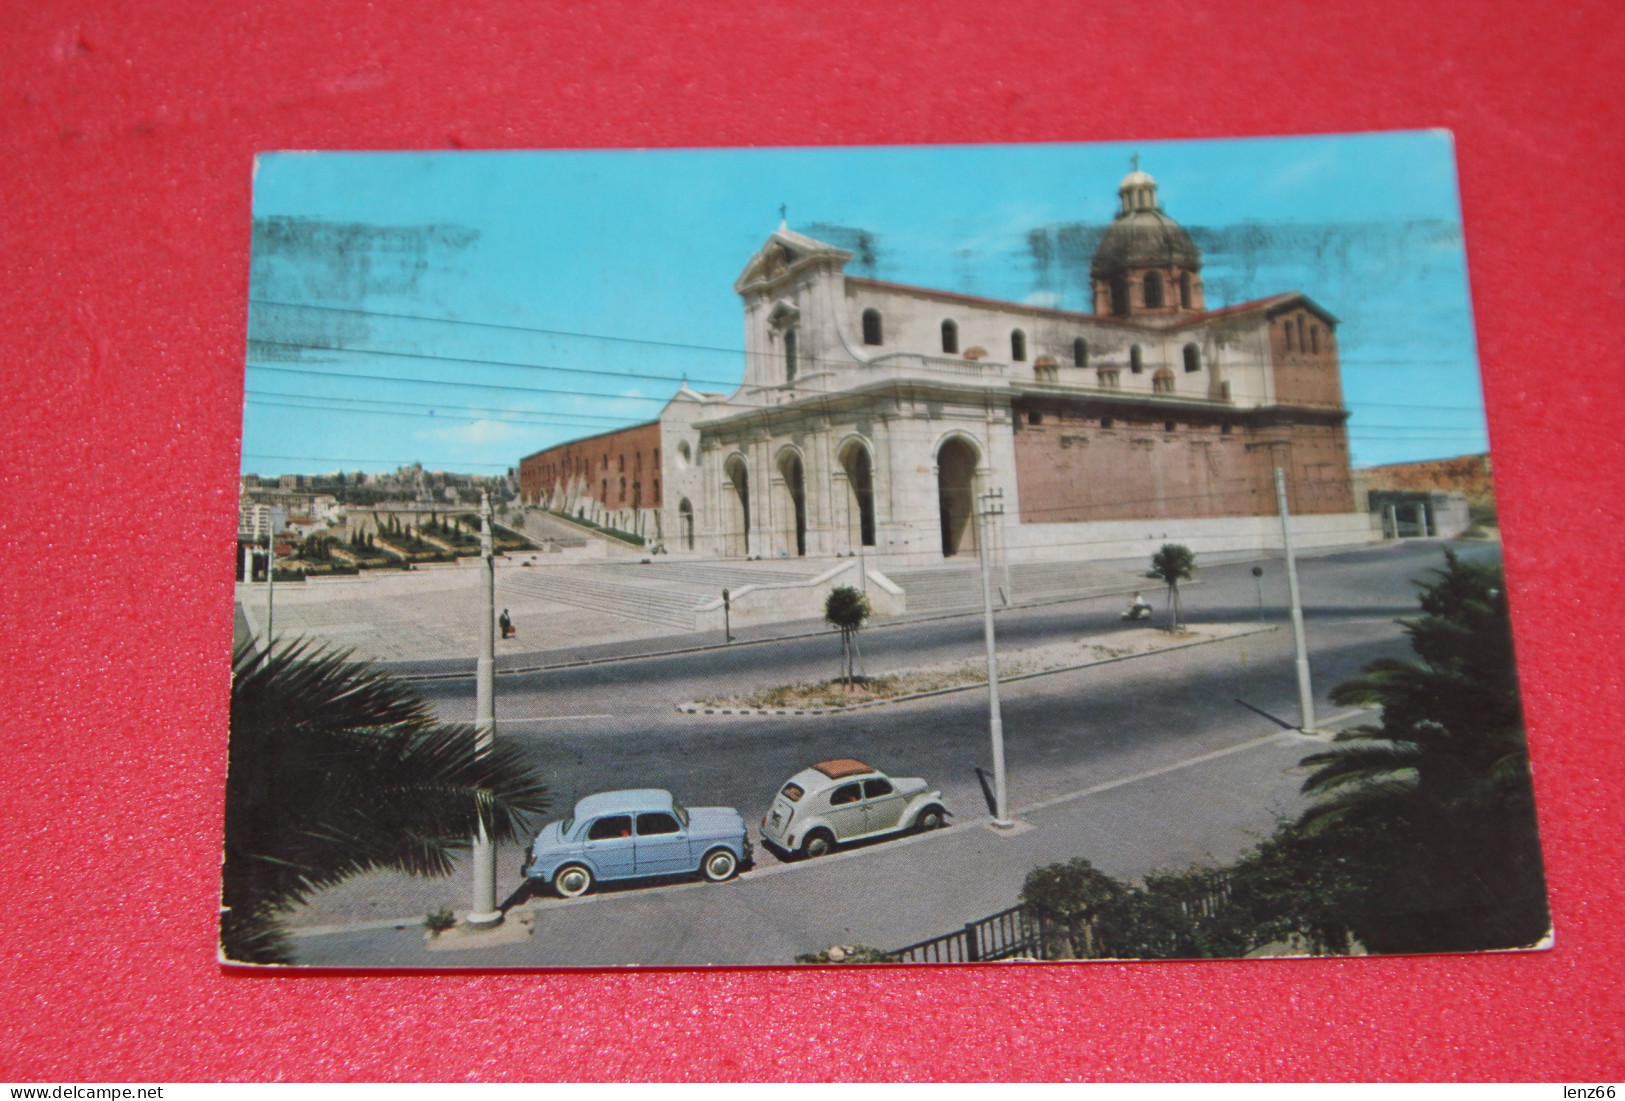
572, 881
818, 843
930, 819
719, 865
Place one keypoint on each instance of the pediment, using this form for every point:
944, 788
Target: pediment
786, 251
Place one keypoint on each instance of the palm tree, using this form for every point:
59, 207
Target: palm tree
1452, 718
1173, 563
1437, 793
337, 768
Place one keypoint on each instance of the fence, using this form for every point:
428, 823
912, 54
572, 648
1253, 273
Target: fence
1018, 932
1005, 935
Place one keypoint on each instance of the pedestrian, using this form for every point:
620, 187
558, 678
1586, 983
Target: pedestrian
505, 623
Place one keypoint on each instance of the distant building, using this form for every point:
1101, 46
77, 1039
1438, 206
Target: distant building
881, 416
1469, 475
256, 521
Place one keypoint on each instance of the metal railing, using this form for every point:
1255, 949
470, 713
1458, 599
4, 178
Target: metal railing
1018, 933
1008, 934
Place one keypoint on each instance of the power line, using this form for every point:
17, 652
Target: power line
479, 362
496, 325
540, 418
812, 360
463, 385
451, 419
1441, 408
426, 405
261, 366
331, 459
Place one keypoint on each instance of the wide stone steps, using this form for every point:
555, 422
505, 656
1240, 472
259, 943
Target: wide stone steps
658, 592
716, 577
541, 526
671, 607
667, 593
937, 589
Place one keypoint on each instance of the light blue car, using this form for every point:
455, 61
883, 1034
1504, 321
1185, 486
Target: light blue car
633, 834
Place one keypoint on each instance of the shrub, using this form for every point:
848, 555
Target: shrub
847, 953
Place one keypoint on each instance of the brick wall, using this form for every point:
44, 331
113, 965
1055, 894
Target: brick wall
1090, 465
617, 469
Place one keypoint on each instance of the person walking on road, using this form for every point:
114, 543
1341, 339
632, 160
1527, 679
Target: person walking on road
506, 624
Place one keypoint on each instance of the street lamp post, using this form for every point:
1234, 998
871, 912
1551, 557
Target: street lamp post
1306, 695
270, 586
727, 629
993, 506
484, 913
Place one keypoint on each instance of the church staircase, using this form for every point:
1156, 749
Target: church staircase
947, 589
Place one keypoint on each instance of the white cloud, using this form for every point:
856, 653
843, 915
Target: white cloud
478, 433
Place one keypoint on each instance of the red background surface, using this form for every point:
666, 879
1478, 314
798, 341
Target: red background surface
128, 132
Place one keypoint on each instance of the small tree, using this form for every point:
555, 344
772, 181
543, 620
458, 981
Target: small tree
1174, 563
846, 608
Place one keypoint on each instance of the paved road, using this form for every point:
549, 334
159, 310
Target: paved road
614, 725
885, 895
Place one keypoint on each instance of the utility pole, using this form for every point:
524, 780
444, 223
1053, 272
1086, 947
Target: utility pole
270, 586
992, 506
1306, 694
484, 913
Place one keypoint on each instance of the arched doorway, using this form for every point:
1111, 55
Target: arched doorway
860, 493
736, 534
956, 496
685, 513
794, 515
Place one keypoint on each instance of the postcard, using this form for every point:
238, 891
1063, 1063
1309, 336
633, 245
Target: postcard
853, 556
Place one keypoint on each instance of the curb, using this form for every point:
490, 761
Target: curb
901, 621
535, 907
753, 712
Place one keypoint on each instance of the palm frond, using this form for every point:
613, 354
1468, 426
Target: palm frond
337, 768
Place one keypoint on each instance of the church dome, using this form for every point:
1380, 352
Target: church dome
1142, 236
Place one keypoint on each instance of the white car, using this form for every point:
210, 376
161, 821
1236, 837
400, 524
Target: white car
846, 800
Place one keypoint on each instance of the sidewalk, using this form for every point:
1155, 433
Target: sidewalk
419, 625
886, 894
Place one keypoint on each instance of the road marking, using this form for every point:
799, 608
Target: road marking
1109, 785
552, 718
535, 905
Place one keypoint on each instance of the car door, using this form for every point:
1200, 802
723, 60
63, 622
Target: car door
882, 805
846, 811
610, 846
662, 845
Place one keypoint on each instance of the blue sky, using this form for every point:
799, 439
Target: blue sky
463, 309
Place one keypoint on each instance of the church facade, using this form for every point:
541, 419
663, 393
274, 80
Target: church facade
884, 419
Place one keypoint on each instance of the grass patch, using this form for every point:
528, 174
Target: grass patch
836, 693
936, 678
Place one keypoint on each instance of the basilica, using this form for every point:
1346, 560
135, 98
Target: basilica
884, 419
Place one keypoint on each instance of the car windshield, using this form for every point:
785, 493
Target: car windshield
792, 792
681, 812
